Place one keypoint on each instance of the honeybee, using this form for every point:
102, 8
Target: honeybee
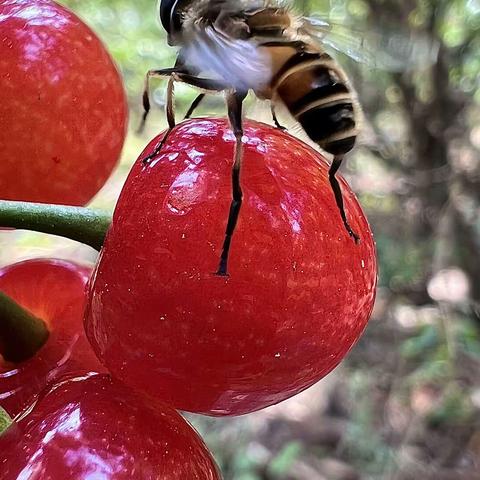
235, 46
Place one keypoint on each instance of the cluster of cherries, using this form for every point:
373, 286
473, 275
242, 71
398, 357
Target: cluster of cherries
150, 328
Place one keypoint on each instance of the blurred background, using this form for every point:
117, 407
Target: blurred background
405, 404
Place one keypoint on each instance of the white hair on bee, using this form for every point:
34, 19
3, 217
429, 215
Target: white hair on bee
200, 8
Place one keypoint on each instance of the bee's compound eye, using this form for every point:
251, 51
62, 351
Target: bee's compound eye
166, 7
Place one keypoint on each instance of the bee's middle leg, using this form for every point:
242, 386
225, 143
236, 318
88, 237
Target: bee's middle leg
337, 162
201, 83
194, 106
234, 102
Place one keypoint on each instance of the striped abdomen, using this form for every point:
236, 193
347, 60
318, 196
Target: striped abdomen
315, 91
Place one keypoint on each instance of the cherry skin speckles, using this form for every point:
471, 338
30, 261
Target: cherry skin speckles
299, 293
63, 110
53, 290
93, 427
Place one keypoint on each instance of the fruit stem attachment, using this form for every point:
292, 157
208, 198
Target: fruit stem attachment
5, 420
84, 225
22, 334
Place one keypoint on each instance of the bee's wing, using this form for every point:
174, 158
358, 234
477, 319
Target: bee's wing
238, 62
393, 51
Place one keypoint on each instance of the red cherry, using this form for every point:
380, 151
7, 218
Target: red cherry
53, 290
96, 428
300, 290
62, 105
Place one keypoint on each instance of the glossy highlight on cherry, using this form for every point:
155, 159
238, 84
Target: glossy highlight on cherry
299, 294
93, 427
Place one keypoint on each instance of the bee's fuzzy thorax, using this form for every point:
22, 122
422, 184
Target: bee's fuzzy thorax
194, 13
201, 9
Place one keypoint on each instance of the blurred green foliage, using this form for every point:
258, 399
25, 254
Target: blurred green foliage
363, 443
285, 459
132, 33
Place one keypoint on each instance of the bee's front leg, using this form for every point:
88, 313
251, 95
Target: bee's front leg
170, 119
165, 72
179, 75
234, 103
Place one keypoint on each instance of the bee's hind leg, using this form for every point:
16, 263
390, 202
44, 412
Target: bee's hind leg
275, 119
234, 102
337, 162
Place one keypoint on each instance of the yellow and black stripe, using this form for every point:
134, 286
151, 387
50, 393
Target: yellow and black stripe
315, 91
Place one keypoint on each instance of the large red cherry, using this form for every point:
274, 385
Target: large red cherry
300, 290
96, 428
54, 291
62, 105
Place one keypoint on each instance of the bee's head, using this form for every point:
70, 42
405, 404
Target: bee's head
171, 18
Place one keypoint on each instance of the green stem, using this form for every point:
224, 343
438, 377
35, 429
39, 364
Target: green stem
84, 225
5, 420
21, 333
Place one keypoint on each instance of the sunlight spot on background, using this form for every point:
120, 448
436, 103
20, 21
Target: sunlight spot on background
450, 285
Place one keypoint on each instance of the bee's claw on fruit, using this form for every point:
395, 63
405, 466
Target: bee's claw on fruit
356, 238
222, 274
222, 269
147, 160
